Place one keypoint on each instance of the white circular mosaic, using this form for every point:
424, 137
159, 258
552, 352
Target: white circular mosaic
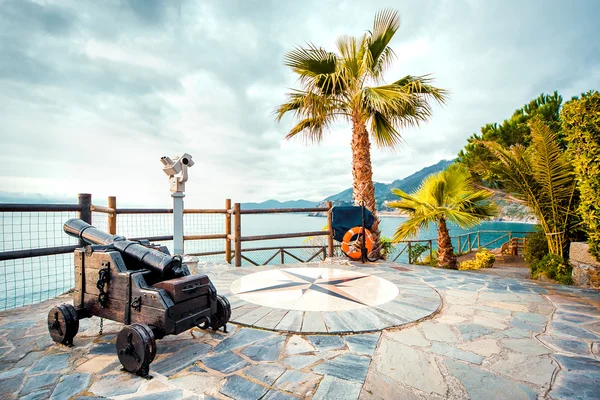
314, 289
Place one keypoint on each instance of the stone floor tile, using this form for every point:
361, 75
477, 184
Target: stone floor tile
9, 373
175, 362
266, 373
266, 350
36, 382
165, 395
116, 385
438, 332
567, 345
382, 387
534, 369
410, 337
472, 331
452, 352
297, 345
225, 363
51, 363
242, 338
527, 325
70, 385
339, 367
323, 342
301, 384
514, 333
313, 322
332, 388
272, 319
408, 365
526, 346
484, 347
576, 385
291, 322
561, 328
242, 389
98, 363
251, 316
202, 384
489, 322
481, 384
334, 323
362, 344
583, 364
300, 361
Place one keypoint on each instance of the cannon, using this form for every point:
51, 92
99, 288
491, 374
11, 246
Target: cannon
140, 285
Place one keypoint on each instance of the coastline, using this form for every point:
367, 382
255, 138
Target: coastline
393, 214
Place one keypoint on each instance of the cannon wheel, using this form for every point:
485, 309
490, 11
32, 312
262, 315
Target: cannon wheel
136, 348
223, 313
63, 324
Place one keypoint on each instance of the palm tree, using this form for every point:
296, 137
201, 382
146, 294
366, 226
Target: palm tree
450, 196
348, 85
542, 177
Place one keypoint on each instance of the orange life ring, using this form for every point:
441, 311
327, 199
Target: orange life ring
346, 246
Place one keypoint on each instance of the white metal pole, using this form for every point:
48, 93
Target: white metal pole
178, 222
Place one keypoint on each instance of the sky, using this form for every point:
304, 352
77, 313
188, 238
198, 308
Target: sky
93, 93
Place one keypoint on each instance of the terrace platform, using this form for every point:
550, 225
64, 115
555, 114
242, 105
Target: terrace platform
490, 337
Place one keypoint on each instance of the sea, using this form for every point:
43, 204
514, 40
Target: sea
31, 280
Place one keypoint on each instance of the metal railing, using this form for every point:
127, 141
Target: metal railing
464, 243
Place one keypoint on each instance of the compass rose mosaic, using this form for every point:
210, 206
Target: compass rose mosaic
314, 289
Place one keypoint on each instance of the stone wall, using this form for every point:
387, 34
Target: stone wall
586, 269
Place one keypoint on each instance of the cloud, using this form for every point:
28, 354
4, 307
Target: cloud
92, 94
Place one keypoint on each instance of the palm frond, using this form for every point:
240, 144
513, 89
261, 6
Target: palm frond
383, 132
385, 26
421, 86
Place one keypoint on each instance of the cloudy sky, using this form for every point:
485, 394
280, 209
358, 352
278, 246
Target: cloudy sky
93, 93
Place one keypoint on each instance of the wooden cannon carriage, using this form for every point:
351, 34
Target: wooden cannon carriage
139, 285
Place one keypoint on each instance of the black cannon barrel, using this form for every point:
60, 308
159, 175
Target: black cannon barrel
165, 265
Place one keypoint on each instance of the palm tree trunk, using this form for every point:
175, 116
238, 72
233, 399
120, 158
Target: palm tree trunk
362, 174
446, 257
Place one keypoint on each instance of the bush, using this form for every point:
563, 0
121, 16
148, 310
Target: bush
553, 267
416, 251
581, 124
387, 247
432, 262
483, 259
536, 248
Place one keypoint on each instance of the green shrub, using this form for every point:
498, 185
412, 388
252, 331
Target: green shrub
483, 259
553, 267
427, 260
387, 247
416, 251
581, 125
536, 248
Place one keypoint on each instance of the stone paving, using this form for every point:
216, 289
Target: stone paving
494, 338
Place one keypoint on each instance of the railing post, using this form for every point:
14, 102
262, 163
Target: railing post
459, 249
282, 256
237, 221
409, 247
430, 250
85, 201
228, 231
469, 239
330, 237
478, 240
112, 217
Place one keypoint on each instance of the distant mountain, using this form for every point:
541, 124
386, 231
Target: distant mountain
278, 204
383, 191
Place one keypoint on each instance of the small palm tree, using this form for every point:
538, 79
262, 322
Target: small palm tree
349, 86
450, 196
542, 177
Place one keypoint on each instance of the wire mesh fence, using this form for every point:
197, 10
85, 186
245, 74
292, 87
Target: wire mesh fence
31, 230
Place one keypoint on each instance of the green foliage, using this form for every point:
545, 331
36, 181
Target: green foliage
387, 247
553, 267
416, 251
536, 247
448, 194
581, 125
513, 131
483, 259
431, 261
541, 176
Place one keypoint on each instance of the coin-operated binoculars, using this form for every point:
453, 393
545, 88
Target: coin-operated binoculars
177, 171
